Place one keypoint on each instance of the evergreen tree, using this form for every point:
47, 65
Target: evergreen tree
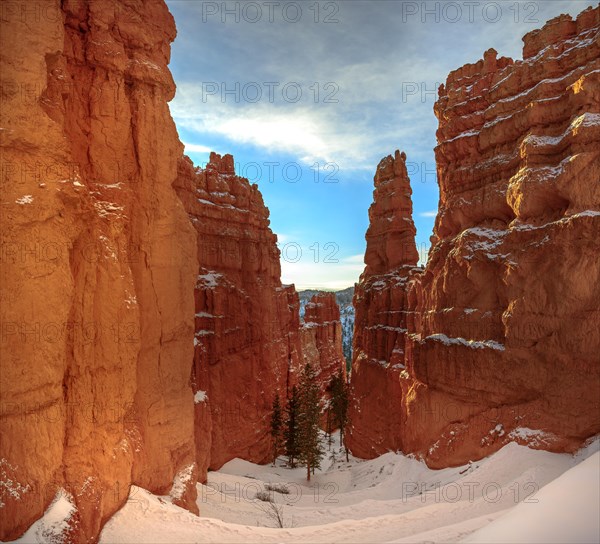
329, 426
276, 428
311, 449
340, 399
291, 431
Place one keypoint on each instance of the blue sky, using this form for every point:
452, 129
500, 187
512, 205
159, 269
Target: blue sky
309, 96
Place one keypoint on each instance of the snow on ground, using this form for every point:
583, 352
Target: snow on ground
567, 511
516, 495
53, 527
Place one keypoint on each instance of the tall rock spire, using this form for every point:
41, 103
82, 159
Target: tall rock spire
380, 301
391, 233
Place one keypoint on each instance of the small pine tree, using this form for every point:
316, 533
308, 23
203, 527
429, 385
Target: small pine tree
311, 449
276, 428
292, 430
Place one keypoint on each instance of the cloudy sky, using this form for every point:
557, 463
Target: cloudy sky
309, 96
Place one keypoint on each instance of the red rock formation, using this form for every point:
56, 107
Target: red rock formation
247, 323
100, 263
321, 339
504, 323
98, 259
380, 324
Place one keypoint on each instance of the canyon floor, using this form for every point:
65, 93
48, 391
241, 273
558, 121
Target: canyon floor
516, 495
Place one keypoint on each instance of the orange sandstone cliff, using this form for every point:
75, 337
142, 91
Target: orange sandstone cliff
144, 333
249, 344
247, 323
504, 323
97, 269
321, 339
380, 325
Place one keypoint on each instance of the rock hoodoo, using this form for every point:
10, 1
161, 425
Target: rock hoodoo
381, 313
503, 323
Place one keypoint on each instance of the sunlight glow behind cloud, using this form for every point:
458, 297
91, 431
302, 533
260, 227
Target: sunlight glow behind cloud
386, 70
313, 135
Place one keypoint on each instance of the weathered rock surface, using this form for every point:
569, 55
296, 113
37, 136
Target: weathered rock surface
102, 273
321, 339
504, 323
97, 264
136, 349
248, 344
344, 302
381, 313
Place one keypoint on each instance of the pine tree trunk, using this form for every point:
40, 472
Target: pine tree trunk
308, 472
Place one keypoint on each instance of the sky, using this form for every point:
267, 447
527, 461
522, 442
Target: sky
309, 96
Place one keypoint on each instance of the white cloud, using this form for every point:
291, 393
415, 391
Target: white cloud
285, 131
311, 134
373, 114
431, 213
196, 148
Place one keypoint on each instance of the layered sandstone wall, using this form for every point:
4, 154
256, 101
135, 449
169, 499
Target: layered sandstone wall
504, 322
247, 340
321, 340
136, 349
381, 313
250, 345
97, 264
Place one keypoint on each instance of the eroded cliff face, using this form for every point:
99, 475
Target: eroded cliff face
249, 344
504, 324
97, 264
321, 340
138, 347
381, 313
247, 323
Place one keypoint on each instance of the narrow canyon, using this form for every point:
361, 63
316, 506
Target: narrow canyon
145, 327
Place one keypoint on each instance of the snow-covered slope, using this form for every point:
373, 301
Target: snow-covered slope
516, 495
566, 510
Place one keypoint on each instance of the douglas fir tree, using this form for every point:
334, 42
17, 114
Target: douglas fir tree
311, 449
276, 428
340, 398
291, 431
